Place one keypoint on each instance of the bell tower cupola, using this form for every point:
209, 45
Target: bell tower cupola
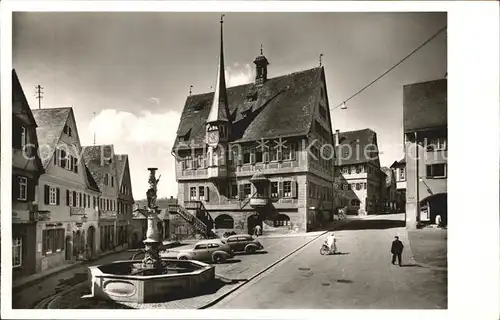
261, 64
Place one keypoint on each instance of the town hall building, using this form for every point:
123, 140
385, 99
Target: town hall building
250, 155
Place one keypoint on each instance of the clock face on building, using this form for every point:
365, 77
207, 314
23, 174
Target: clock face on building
213, 137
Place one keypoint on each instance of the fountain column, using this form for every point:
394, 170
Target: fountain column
152, 243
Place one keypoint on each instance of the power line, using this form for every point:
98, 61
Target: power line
390, 69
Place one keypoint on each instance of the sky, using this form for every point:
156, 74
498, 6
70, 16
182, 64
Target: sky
134, 70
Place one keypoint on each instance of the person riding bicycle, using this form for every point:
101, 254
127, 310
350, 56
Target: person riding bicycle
331, 242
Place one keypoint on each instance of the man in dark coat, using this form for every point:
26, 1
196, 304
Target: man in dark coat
397, 250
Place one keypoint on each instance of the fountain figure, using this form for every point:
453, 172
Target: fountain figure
152, 260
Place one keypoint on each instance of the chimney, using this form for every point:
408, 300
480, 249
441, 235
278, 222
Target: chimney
337, 137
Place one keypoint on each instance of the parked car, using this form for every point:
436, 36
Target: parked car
244, 242
212, 250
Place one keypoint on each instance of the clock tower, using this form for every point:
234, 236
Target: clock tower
218, 125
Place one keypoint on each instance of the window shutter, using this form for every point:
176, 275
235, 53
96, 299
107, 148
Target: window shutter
85, 201
294, 189
56, 155
15, 187
58, 194
46, 194
16, 135
241, 195
31, 189
207, 194
80, 196
280, 155
280, 189
67, 197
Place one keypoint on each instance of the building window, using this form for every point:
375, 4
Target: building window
106, 179
353, 186
201, 192
435, 144
17, 252
192, 193
436, 170
289, 152
53, 240
24, 137
274, 190
23, 188
258, 155
287, 189
273, 154
358, 186
247, 190
364, 185
344, 170
112, 181
246, 155
52, 196
234, 190
355, 202
402, 174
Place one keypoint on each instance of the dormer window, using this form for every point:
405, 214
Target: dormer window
67, 130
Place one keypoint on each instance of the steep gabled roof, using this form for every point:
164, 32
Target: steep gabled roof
50, 127
92, 157
282, 106
91, 181
356, 147
18, 96
425, 105
398, 164
120, 164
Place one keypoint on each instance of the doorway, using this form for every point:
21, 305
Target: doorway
253, 221
91, 240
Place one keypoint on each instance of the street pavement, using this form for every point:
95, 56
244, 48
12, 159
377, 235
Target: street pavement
235, 272
362, 276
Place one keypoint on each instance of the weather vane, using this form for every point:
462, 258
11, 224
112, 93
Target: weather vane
261, 49
222, 18
320, 59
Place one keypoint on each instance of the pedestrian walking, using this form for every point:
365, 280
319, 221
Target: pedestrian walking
397, 250
257, 230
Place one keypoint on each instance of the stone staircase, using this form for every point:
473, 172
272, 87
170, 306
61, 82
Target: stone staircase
191, 218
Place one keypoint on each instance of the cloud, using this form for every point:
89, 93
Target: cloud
237, 75
154, 100
147, 138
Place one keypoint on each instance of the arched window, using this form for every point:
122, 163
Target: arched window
282, 220
224, 221
355, 202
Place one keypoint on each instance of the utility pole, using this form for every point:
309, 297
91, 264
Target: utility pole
39, 95
93, 120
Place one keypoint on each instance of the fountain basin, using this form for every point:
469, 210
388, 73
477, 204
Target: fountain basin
124, 281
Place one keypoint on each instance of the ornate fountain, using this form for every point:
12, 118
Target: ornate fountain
152, 260
152, 279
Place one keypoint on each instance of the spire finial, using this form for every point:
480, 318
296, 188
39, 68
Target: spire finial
320, 59
222, 18
190, 91
261, 49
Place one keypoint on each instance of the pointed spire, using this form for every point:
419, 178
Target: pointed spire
220, 107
